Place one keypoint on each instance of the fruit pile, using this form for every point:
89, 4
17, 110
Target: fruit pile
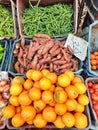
94, 60
46, 98
93, 90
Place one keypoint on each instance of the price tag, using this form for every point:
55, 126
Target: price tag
4, 75
78, 45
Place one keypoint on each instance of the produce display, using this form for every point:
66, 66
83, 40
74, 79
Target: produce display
94, 60
43, 97
1, 52
4, 97
93, 90
6, 22
54, 20
44, 53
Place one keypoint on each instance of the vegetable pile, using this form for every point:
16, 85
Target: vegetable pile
44, 53
6, 22
55, 20
1, 52
44, 98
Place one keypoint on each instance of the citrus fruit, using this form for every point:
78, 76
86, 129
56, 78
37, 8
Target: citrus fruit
72, 91
59, 123
16, 89
45, 72
36, 84
79, 108
58, 88
83, 99
14, 100
28, 113
76, 79
39, 122
60, 108
39, 105
9, 111
29, 74
60, 96
24, 98
30, 122
18, 109
68, 119
35, 94
28, 84
64, 80
71, 104
45, 83
36, 75
18, 80
17, 120
81, 87
52, 77
81, 121
49, 114
47, 96
70, 74
52, 88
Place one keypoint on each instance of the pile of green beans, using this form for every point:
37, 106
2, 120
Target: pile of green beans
55, 20
6, 22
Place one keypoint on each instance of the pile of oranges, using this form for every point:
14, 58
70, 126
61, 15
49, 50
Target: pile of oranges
94, 60
45, 98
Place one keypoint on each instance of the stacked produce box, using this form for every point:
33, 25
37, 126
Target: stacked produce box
42, 81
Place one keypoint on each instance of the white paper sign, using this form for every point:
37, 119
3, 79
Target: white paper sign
78, 45
4, 75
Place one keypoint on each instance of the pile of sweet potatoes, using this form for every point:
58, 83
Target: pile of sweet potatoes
44, 53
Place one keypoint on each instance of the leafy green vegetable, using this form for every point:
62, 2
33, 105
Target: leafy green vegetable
1, 52
6, 22
53, 20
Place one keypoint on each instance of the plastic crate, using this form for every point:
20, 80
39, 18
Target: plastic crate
93, 45
4, 43
13, 59
94, 116
22, 5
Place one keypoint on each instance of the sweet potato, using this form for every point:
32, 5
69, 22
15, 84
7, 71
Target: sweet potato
65, 66
22, 42
65, 54
56, 52
38, 67
17, 46
51, 67
70, 50
59, 56
16, 66
21, 69
44, 60
20, 54
34, 62
59, 62
42, 36
55, 47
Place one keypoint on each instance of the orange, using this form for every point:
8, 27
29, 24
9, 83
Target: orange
58, 88
52, 77
52, 104
93, 67
30, 122
60, 96
39, 121
76, 80
47, 96
14, 100
17, 120
52, 88
18, 80
83, 99
29, 74
93, 62
36, 84
28, 84
9, 111
72, 91
28, 113
36, 75
39, 105
92, 56
45, 84
79, 108
68, 119
45, 72
59, 123
64, 80
49, 114
81, 121
18, 109
24, 98
70, 74
81, 87
71, 104
16, 89
35, 94
60, 109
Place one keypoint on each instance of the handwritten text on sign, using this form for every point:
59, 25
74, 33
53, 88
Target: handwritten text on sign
78, 45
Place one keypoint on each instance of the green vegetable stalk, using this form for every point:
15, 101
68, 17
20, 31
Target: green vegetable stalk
55, 20
1, 52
